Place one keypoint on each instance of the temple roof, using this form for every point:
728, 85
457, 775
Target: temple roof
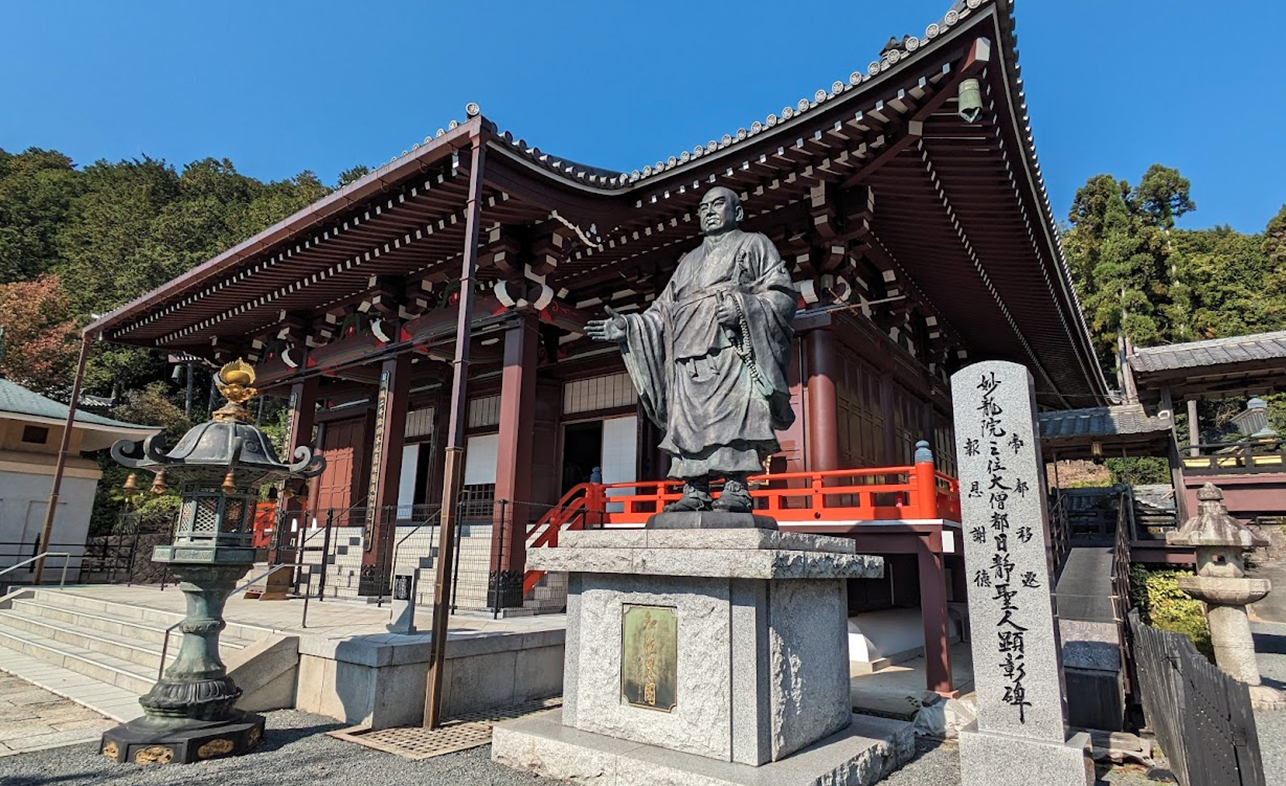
947, 212
1214, 352
19, 403
1072, 432
1215, 368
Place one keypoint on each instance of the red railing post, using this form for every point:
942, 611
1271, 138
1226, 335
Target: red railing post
924, 488
595, 505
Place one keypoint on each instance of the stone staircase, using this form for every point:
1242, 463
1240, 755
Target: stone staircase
417, 549
101, 654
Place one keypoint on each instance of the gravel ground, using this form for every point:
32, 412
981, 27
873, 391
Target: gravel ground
1270, 646
295, 753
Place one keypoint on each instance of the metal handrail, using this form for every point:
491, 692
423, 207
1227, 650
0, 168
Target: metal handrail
66, 560
433, 518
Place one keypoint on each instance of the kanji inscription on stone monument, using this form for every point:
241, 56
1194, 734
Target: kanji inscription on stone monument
1017, 669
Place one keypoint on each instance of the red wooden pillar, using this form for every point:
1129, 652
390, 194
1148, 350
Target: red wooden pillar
933, 612
314, 485
513, 464
301, 413
823, 412
386, 468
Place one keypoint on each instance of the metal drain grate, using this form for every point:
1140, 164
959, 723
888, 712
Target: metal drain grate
457, 734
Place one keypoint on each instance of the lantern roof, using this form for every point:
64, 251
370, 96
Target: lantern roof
1213, 527
228, 441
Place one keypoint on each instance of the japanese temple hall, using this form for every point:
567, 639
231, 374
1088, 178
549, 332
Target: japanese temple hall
906, 199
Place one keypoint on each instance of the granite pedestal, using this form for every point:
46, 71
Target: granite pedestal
1022, 761
744, 655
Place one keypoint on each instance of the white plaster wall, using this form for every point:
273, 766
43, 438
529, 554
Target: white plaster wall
406, 480
480, 459
23, 500
620, 454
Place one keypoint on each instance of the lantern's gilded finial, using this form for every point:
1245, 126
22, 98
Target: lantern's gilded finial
235, 381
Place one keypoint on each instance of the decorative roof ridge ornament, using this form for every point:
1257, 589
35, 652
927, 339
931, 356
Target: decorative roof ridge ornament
235, 383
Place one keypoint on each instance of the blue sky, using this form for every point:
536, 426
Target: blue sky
279, 87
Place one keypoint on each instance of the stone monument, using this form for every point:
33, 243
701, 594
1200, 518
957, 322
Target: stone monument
1222, 584
1021, 728
189, 714
708, 648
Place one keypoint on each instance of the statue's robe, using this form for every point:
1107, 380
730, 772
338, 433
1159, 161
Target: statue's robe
718, 391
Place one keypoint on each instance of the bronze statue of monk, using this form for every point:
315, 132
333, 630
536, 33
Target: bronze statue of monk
709, 357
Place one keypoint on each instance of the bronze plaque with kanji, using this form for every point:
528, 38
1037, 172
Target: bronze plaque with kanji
650, 657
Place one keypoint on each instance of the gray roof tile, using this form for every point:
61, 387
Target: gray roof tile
1100, 422
17, 400
1214, 352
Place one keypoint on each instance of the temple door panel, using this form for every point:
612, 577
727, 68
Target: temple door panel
335, 486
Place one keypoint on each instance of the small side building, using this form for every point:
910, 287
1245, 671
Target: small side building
31, 430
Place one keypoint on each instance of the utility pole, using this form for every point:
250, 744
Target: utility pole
453, 473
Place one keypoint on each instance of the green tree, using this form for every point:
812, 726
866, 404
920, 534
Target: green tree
1119, 247
36, 191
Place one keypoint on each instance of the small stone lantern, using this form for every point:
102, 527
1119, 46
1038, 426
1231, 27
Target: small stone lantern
220, 466
1221, 583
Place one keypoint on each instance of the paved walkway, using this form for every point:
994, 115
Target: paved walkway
1273, 607
332, 620
33, 719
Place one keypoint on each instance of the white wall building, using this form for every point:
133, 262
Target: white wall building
31, 429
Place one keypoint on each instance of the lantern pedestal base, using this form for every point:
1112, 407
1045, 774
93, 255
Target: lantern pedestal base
142, 741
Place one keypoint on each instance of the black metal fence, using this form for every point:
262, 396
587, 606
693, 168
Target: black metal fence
377, 544
1201, 716
122, 557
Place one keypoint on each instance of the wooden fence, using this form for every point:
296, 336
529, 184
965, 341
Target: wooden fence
1201, 716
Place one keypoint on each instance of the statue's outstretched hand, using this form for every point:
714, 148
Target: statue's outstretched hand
611, 329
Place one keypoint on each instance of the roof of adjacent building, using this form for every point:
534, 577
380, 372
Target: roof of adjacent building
1213, 352
1120, 419
19, 403
1095, 432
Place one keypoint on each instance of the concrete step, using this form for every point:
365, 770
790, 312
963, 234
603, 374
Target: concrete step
107, 669
146, 655
116, 703
125, 647
137, 632
134, 614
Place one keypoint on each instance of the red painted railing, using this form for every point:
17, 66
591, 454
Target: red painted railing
835, 497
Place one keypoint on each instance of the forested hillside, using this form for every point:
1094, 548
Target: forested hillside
78, 241
1140, 276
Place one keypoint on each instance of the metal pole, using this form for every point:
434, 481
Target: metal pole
321, 580
500, 560
133, 551
61, 464
455, 580
187, 399
454, 469
214, 390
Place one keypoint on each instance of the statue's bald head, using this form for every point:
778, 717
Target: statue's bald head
720, 211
